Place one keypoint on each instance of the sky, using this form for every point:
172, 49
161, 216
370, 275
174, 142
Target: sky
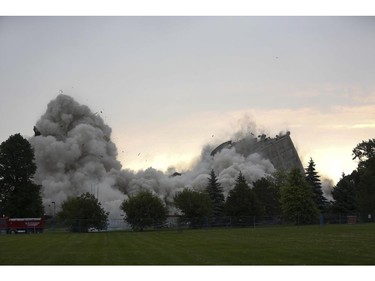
169, 85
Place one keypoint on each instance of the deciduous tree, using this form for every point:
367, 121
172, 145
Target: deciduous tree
364, 151
19, 195
268, 193
194, 205
144, 210
366, 191
344, 195
82, 212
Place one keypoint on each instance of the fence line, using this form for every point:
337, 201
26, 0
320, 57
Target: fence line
180, 222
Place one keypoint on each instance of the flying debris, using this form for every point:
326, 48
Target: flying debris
227, 144
36, 131
75, 153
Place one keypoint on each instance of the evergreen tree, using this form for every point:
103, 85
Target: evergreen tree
297, 200
241, 200
313, 179
215, 191
19, 195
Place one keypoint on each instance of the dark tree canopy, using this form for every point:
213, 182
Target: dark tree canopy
365, 180
355, 193
241, 200
82, 212
364, 151
268, 193
297, 200
366, 191
344, 194
144, 210
215, 191
313, 179
194, 205
19, 195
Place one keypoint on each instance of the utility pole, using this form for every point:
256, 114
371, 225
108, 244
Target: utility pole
54, 211
54, 208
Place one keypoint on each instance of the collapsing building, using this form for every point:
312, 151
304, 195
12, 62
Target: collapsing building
279, 150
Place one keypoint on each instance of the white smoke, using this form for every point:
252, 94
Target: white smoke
327, 187
74, 154
226, 163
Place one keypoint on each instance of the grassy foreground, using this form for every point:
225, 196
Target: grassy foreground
297, 245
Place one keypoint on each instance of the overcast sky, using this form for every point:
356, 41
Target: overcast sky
169, 85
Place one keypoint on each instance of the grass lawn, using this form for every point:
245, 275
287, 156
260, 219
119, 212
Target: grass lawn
293, 245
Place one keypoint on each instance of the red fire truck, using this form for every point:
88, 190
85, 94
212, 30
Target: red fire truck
21, 225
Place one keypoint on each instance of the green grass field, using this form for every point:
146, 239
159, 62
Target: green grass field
293, 245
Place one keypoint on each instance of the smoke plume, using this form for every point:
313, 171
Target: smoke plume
74, 154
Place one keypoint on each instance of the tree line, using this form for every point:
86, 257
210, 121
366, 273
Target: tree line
355, 193
288, 194
294, 196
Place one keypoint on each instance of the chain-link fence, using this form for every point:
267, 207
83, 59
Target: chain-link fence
180, 223
84, 225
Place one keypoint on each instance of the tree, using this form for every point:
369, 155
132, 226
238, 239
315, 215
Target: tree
313, 180
82, 212
19, 195
215, 192
365, 178
241, 200
268, 193
194, 205
364, 151
344, 194
366, 191
297, 200
144, 210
